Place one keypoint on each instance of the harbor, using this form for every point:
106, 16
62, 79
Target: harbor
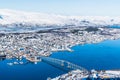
74, 71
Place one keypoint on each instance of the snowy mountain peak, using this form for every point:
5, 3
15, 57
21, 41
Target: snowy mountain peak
14, 17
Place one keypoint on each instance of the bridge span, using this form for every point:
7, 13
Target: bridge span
63, 64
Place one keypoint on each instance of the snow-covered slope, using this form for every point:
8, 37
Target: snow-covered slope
20, 18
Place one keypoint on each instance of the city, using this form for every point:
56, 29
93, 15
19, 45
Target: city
32, 46
59, 40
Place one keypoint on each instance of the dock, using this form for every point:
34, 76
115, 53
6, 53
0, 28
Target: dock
33, 59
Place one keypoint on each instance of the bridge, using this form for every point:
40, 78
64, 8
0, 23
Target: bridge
62, 64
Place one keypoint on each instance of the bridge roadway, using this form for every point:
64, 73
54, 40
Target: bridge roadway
63, 64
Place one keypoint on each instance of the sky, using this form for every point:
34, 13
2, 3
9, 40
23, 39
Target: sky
66, 7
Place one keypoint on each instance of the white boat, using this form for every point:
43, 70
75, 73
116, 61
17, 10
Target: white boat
10, 64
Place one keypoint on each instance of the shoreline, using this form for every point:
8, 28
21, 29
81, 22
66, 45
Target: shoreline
43, 44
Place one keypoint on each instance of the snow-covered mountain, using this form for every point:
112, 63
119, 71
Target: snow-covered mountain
10, 18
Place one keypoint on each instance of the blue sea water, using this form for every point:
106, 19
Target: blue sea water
114, 26
100, 56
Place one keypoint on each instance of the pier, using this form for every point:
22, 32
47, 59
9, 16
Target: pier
34, 59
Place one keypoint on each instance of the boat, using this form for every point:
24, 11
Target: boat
2, 56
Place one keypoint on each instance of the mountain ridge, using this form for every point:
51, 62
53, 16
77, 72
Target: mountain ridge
22, 18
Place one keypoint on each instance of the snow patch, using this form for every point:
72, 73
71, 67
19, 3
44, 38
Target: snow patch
21, 18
